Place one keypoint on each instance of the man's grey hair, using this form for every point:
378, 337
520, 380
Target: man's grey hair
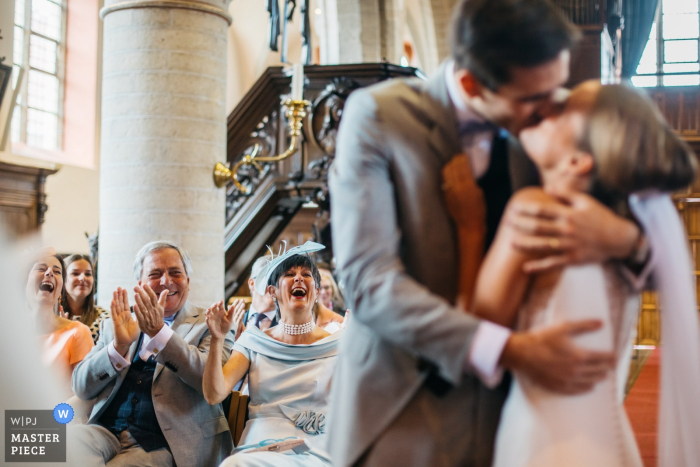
258, 266
160, 245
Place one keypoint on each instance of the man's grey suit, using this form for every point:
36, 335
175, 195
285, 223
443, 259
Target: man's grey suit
197, 433
396, 251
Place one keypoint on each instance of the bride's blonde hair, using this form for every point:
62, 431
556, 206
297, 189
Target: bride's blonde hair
633, 147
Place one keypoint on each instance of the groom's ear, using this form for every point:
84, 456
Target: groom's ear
468, 82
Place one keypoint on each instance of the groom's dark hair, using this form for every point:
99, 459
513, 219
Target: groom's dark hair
489, 37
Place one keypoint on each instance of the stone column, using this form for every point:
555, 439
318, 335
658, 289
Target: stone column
163, 129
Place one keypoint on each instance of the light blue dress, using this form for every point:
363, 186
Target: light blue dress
289, 389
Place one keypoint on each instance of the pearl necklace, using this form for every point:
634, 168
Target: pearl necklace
297, 329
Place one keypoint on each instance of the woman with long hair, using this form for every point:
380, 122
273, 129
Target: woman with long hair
78, 298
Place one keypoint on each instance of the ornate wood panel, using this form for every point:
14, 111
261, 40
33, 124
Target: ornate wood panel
22, 197
276, 191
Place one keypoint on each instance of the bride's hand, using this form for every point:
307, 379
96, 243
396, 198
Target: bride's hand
463, 197
577, 230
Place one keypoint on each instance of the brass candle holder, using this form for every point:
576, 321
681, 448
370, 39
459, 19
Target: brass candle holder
296, 112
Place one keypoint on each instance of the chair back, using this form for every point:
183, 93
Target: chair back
237, 414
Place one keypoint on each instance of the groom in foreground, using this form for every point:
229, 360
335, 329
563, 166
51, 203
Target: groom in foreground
419, 382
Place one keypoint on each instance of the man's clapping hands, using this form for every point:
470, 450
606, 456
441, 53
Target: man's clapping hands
150, 309
148, 315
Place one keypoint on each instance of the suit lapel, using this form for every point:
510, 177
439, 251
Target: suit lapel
443, 135
183, 323
185, 319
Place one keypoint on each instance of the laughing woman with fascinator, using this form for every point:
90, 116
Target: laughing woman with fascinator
289, 367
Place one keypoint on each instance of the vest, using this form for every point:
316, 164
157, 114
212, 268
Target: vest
132, 408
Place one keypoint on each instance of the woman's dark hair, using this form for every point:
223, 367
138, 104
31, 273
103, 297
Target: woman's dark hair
61, 300
292, 262
90, 312
490, 37
289, 263
63, 270
633, 147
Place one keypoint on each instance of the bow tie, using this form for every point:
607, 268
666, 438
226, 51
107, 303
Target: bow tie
475, 126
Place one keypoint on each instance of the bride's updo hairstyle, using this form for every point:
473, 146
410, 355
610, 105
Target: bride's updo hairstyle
633, 147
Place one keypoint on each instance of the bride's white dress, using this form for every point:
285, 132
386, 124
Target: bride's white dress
539, 428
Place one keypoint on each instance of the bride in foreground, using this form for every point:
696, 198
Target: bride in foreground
610, 142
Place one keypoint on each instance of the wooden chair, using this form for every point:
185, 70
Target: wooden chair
237, 414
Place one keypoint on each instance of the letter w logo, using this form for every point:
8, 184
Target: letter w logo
63, 413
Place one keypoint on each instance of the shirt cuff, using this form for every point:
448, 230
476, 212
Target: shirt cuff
118, 362
155, 345
485, 352
638, 282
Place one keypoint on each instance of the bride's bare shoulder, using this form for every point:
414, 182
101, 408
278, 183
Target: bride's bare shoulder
531, 193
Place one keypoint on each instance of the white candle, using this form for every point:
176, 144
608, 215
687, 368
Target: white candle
297, 82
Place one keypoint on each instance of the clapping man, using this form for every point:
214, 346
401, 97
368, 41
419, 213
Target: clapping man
145, 375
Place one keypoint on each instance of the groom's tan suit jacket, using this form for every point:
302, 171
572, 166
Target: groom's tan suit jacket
396, 251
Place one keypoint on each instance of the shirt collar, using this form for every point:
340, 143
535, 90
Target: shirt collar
169, 319
270, 314
252, 312
463, 112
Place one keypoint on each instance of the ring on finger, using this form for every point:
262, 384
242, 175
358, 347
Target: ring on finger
554, 243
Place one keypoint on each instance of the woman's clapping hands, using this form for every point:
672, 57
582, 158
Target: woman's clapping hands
221, 321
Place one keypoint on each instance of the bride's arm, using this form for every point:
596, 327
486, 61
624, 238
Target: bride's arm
501, 283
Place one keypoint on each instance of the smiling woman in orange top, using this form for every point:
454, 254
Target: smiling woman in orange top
64, 342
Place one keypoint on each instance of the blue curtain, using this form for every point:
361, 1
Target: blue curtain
638, 16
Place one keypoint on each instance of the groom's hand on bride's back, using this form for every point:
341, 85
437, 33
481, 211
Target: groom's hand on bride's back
550, 358
577, 229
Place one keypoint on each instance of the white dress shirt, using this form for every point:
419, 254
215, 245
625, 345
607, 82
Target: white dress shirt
252, 313
149, 346
490, 338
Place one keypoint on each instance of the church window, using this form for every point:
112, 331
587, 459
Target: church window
670, 57
39, 49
